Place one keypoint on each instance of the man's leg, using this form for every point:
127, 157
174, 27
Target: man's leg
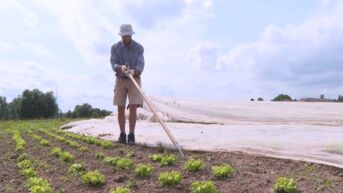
121, 118
135, 98
120, 94
132, 118
132, 124
121, 121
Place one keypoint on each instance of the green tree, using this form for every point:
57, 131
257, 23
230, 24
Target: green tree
4, 108
340, 98
14, 108
35, 104
282, 97
84, 111
260, 99
50, 107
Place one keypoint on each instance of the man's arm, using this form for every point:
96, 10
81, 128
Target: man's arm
114, 60
140, 61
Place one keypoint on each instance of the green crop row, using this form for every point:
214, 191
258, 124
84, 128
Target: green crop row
62, 139
19, 141
63, 155
164, 159
35, 184
88, 139
40, 139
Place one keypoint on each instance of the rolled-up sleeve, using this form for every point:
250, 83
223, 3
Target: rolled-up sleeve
140, 60
114, 57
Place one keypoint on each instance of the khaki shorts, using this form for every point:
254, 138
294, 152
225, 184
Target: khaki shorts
125, 88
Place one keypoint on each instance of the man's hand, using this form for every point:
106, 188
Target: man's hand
121, 68
132, 72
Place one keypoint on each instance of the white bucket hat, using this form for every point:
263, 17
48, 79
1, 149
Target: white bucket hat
126, 30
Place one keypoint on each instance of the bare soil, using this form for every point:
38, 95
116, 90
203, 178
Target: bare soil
254, 174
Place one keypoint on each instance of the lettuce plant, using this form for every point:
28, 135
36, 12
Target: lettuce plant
56, 151
93, 178
83, 149
168, 160
203, 187
285, 185
106, 144
194, 165
39, 185
120, 190
156, 157
144, 170
124, 164
76, 168
29, 172
66, 156
44, 142
111, 160
99, 155
222, 171
170, 178
24, 164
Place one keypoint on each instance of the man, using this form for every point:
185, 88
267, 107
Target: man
127, 57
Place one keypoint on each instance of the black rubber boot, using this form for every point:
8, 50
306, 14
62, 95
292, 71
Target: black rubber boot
131, 139
122, 138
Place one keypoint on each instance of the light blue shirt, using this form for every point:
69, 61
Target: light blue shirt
132, 55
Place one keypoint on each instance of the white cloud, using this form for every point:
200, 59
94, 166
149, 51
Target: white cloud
22, 75
4, 46
39, 50
181, 60
31, 20
203, 56
304, 59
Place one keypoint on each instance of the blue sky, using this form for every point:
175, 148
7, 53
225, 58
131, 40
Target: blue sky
198, 49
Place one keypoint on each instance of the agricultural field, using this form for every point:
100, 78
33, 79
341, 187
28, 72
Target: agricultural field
38, 157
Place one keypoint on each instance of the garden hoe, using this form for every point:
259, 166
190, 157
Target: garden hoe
164, 126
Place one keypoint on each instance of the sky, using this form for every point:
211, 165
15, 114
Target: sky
230, 50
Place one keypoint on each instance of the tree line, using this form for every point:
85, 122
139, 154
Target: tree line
34, 104
285, 97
